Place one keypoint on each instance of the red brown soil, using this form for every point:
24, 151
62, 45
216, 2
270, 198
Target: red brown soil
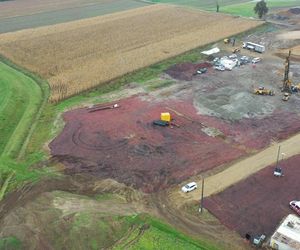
123, 144
258, 133
258, 204
186, 71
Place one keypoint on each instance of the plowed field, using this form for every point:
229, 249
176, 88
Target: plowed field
80, 55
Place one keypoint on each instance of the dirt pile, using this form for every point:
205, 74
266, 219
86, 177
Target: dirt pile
61, 220
186, 71
295, 11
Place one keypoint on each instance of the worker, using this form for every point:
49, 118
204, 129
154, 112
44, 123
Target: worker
233, 41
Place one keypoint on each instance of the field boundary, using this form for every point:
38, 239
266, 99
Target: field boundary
45, 94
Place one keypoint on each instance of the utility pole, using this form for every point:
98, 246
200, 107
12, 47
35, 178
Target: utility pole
278, 156
202, 193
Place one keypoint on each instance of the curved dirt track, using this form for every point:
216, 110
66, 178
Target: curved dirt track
131, 201
237, 172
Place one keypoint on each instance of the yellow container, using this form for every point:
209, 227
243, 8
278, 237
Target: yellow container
165, 117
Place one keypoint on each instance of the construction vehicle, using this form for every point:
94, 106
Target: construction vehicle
263, 91
227, 40
286, 81
295, 88
278, 172
160, 123
236, 50
258, 240
286, 96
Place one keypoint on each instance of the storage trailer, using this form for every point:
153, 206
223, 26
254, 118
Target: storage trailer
254, 46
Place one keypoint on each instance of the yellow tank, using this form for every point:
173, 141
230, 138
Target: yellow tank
165, 117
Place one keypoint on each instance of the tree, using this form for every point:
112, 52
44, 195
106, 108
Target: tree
261, 8
217, 5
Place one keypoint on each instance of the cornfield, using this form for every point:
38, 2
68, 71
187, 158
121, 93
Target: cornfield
80, 55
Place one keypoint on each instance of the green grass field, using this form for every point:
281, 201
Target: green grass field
20, 100
204, 4
234, 7
152, 234
246, 9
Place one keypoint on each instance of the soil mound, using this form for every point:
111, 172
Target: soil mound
186, 71
295, 11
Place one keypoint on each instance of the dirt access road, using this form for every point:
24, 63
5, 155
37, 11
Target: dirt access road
236, 172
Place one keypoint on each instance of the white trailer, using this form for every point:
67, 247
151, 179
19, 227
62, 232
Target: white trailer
287, 235
254, 46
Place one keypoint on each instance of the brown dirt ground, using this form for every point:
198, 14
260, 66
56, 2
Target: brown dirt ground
33, 210
260, 202
123, 144
213, 112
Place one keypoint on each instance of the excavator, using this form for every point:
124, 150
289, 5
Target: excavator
263, 91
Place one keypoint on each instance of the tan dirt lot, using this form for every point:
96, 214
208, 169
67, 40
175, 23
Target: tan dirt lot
80, 55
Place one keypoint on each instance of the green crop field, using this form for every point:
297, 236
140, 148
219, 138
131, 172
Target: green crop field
235, 7
205, 4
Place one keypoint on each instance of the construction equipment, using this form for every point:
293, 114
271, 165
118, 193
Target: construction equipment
236, 50
165, 117
258, 240
263, 91
227, 40
278, 172
286, 81
160, 123
97, 108
295, 88
286, 96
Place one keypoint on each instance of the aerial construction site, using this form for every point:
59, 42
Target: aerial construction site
136, 129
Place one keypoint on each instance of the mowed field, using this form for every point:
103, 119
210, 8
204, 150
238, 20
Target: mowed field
79, 55
23, 14
234, 7
20, 99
